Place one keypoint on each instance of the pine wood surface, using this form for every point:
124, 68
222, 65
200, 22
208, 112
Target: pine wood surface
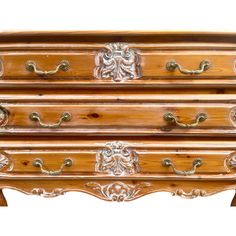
123, 118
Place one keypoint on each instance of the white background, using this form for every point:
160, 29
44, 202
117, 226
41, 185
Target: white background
80, 214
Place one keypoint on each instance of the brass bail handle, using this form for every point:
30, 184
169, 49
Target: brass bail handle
32, 67
196, 163
66, 116
169, 117
173, 65
39, 163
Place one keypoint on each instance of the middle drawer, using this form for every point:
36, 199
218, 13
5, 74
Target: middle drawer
117, 119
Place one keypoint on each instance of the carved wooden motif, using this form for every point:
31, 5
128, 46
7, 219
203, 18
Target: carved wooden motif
4, 161
3, 116
1, 67
118, 191
192, 194
117, 159
117, 61
43, 193
231, 160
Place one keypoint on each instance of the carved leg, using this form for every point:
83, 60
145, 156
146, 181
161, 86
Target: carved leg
233, 203
3, 201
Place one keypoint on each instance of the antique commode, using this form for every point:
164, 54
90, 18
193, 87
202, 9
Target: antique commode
117, 114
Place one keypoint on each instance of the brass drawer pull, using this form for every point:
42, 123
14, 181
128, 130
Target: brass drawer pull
39, 163
66, 116
172, 66
196, 163
169, 117
32, 67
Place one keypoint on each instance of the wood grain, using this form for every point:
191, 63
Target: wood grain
139, 117
150, 155
82, 65
84, 161
128, 113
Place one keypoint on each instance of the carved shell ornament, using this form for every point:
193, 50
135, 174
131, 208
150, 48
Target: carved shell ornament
117, 61
118, 191
116, 158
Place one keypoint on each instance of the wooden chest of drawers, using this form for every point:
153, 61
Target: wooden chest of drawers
117, 114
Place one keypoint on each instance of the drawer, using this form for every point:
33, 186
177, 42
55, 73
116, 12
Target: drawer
110, 118
118, 158
55, 65
84, 67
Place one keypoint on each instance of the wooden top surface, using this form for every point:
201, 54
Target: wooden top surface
125, 36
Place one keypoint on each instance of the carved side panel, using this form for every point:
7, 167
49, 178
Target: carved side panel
118, 191
117, 61
116, 158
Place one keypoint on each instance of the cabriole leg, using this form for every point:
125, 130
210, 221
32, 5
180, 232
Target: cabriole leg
233, 203
3, 201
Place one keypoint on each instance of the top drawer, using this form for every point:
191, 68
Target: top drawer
118, 63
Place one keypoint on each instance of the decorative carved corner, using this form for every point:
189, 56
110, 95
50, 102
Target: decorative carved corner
5, 163
43, 193
231, 160
117, 61
116, 158
232, 116
190, 195
4, 114
118, 191
1, 67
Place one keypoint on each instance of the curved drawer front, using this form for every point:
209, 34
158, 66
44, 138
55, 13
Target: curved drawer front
117, 64
118, 118
117, 158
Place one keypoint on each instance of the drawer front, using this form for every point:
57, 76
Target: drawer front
21, 66
92, 66
118, 158
192, 65
117, 118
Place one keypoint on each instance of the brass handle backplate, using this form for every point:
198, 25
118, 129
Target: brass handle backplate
169, 117
32, 67
39, 163
173, 65
196, 163
66, 116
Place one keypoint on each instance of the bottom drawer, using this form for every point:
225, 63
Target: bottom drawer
128, 158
